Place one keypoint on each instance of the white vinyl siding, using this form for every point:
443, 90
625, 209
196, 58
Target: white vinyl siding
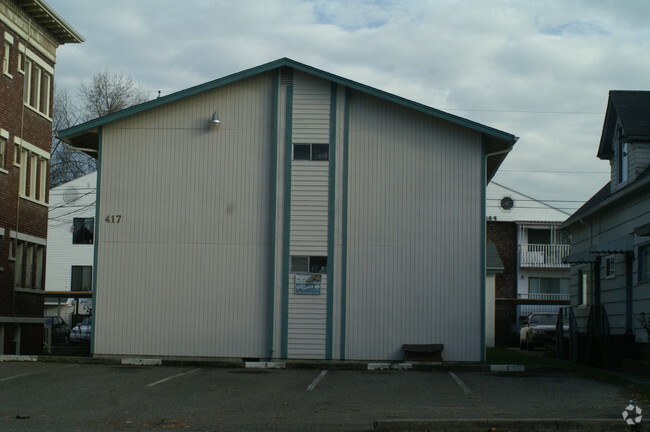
311, 109
309, 201
306, 336
306, 326
193, 241
414, 234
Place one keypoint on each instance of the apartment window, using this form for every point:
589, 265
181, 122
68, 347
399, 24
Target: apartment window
313, 152
622, 157
309, 264
5, 58
82, 278
583, 287
3, 152
644, 263
610, 267
540, 285
33, 172
27, 88
38, 283
18, 264
83, 230
37, 85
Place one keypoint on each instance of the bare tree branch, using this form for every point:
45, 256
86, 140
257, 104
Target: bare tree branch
105, 94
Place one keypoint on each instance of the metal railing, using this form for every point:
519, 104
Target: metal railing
543, 255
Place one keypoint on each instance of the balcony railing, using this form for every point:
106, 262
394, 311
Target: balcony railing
543, 255
543, 296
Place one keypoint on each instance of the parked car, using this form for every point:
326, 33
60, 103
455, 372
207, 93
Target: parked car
82, 331
538, 329
58, 328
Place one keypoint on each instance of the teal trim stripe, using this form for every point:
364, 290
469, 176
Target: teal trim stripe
270, 307
344, 223
286, 235
483, 184
330, 225
285, 62
97, 238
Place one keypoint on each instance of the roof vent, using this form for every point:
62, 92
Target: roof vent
286, 76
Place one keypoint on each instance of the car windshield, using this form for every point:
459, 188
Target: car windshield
548, 319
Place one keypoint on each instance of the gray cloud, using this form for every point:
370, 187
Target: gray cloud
539, 70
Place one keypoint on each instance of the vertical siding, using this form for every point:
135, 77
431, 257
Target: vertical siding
307, 314
188, 262
414, 237
306, 335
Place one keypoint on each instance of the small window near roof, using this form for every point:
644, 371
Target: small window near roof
313, 152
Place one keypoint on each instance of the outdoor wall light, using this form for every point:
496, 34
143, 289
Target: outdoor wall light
215, 122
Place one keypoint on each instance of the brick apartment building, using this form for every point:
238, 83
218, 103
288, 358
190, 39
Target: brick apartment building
30, 33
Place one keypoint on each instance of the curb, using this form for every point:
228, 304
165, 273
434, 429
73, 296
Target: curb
293, 364
510, 425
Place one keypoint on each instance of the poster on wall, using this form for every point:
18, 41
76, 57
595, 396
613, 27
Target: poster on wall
307, 284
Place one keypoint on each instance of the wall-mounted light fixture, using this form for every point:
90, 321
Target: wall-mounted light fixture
215, 122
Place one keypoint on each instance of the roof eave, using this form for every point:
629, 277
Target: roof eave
52, 21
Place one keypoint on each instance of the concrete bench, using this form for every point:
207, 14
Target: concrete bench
423, 352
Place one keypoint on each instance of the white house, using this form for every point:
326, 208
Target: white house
286, 212
532, 247
610, 234
69, 262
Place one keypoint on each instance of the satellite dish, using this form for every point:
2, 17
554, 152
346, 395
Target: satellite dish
70, 195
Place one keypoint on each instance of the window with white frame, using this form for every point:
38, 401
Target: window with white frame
610, 266
622, 157
308, 264
28, 264
33, 171
3, 152
37, 76
6, 55
644, 263
5, 58
311, 152
583, 287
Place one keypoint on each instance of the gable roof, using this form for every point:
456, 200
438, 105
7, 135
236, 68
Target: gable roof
50, 20
604, 198
632, 107
85, 134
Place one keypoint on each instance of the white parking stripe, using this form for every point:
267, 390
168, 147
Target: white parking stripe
172, 377
460, 383
33, 373
316, 381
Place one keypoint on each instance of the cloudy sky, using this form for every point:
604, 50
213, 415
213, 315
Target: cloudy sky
538, 70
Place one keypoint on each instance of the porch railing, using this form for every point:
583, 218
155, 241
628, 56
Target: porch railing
543, 255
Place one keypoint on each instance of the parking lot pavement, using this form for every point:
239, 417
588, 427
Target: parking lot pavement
87, 397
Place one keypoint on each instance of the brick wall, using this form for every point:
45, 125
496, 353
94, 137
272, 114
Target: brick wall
504, 236
17, 214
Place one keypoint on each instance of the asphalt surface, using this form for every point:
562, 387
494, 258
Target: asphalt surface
39, 396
